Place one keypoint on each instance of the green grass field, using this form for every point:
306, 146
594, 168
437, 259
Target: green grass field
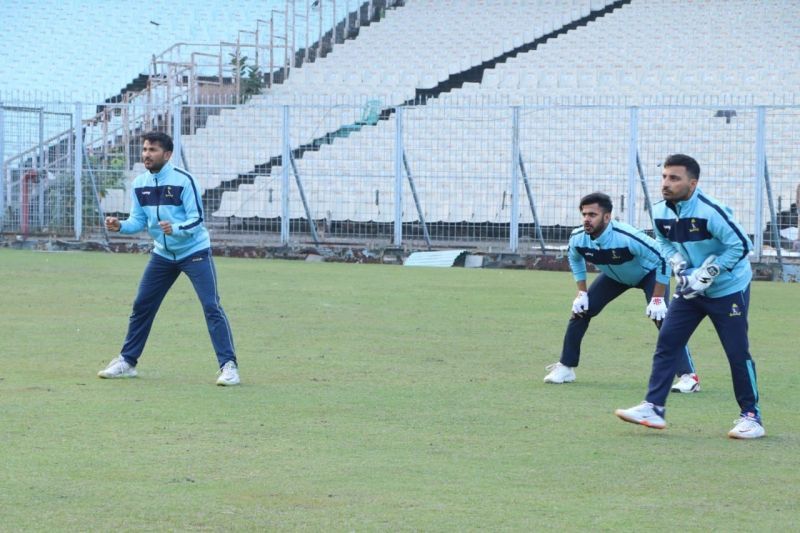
373, 398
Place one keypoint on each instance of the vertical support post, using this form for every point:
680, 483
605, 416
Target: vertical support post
77, 129
308, 25
176, 132
761, 162
41, 173
513, 230
398, 177
633, 169
285, 156
2, 167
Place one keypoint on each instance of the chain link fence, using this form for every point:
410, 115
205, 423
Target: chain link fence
328, 171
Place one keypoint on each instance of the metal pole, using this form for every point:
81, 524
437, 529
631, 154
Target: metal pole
77, 127
513, 230
761, 162
271, 46
319, 40
285, 179
41, 172
776, 234
346, 20
647, 204
2, 167
285, 43
416, 200
176, 131
312, 226
398, 177
308, 24
333, 24
528, 191
633, 151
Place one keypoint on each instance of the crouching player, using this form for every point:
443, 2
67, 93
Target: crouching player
626, 258
696, 230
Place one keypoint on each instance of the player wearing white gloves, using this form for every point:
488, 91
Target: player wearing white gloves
626, 258
694, 229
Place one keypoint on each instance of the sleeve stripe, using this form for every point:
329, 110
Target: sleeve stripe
197, 199
718, 209
650, 247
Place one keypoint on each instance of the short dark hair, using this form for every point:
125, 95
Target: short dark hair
599, 198
157, 137
682, 160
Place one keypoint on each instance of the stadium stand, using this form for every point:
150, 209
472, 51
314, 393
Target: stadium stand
528, 53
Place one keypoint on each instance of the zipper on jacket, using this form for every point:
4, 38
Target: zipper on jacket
158, 218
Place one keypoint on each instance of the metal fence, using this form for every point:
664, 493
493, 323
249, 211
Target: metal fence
491, 177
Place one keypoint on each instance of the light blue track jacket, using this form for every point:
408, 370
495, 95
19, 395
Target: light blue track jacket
622, 252
699, 227
173, 195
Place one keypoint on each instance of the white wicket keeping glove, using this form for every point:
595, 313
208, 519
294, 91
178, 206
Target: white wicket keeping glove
694, 282
581, 303
657, 309
678, 264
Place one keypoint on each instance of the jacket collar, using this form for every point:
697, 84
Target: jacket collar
605, 236
682, 206
163, 173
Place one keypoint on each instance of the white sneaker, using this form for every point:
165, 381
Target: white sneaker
117, 368
644, 414
747, 427
686, 384
559, 373
228, 374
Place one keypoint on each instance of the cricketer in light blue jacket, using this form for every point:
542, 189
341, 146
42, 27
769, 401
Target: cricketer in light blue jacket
626, 258
702, 226
167, 203
170, 194
622, 252
709, 250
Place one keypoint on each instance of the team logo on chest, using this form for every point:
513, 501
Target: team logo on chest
693, 226
169, 192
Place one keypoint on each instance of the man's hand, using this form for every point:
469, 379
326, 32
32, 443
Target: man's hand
112, 224
678, 264
166, 226
694, 282
581, 304
657, 309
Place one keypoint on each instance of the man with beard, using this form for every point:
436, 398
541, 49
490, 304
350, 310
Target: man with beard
626, 258
708, 249
166, 201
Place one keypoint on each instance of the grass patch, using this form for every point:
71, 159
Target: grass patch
373, 398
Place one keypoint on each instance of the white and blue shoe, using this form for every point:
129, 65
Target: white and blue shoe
228, 375
117, 368
558, 373
645, 414
747, 426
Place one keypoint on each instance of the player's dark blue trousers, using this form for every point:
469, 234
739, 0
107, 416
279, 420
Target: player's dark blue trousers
602, 291
729, 316
158, 277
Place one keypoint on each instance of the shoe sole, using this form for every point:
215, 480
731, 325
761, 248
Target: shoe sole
691, 391
559, 382
101, 376
224, 384
744, 437
645, 423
